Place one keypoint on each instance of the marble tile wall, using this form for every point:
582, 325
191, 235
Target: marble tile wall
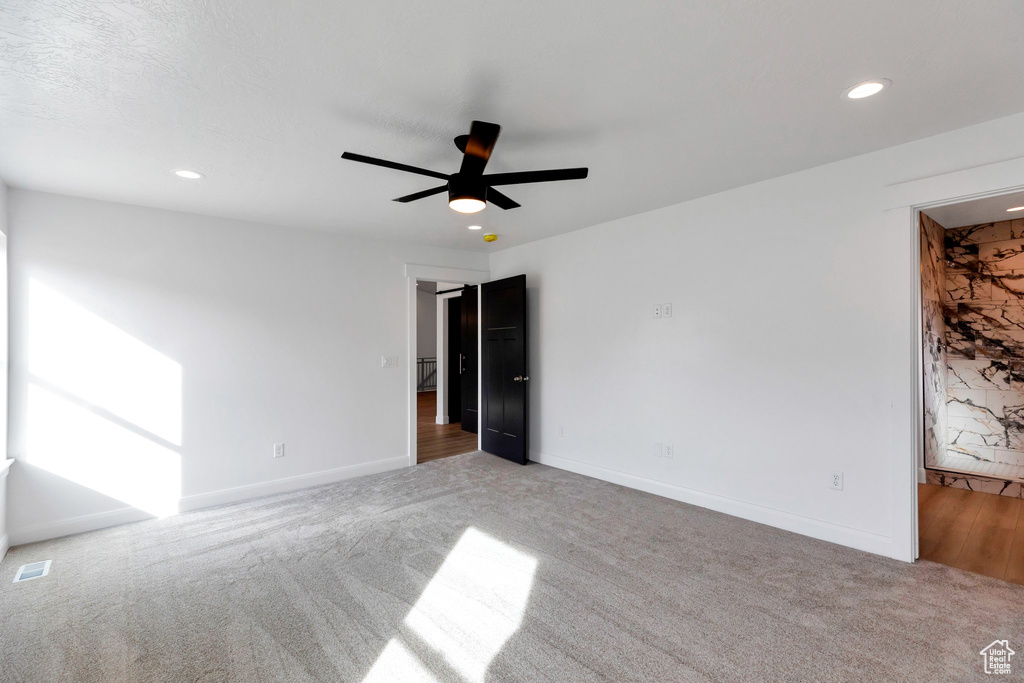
983, 318
933, 277
983, 484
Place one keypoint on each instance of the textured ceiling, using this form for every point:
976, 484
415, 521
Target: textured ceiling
664, 101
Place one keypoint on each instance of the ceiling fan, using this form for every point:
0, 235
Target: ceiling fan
469, 189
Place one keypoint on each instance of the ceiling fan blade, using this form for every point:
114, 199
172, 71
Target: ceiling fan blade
479, 145
392, 164
500, 200
420, 195
535, 176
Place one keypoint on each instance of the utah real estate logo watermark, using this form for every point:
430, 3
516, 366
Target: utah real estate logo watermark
997, 657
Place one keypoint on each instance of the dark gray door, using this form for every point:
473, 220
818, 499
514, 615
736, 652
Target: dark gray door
469, 366
503, 410
453, 360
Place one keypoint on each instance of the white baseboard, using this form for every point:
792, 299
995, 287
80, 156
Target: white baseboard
102, 520
300, 481
825, 531
922, 475
441, 420
76, 525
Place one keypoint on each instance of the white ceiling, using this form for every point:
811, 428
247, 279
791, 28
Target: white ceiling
984, 210
664, 101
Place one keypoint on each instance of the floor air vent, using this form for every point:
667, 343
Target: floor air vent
32, 571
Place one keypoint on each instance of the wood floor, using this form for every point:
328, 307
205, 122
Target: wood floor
435, 441
979, 532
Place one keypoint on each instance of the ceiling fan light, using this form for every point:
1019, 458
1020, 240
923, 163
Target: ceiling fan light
466, 194
467, 204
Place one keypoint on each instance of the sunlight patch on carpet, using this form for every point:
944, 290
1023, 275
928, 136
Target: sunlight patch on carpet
471, 607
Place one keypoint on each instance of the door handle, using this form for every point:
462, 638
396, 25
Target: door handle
520, 378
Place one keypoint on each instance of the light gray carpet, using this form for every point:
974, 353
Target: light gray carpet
538, 574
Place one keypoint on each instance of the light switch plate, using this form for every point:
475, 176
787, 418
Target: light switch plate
657, 311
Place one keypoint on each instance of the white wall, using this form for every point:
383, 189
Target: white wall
277, 334
789, 355
426, 320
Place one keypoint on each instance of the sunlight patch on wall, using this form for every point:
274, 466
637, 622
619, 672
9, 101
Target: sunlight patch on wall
81, 354
104, 409
75, 443
471, 607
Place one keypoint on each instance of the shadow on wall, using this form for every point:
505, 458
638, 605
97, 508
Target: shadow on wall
104, 409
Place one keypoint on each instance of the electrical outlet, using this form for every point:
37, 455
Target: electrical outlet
837, 481
669, 450
389, 361
657, 311
278, 450
666, 310
657, 450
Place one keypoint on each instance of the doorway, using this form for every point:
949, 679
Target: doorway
971, 469
492, 363
446, 370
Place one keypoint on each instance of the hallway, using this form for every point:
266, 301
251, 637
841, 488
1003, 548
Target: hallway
434, 441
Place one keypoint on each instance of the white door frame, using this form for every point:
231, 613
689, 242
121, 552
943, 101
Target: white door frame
414, 272
911, 198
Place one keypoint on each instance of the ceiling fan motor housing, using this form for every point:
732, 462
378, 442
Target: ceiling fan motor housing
466, 187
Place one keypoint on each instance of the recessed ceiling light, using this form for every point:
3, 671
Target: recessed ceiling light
866, 89
477, 227
187, 174
1016, 208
